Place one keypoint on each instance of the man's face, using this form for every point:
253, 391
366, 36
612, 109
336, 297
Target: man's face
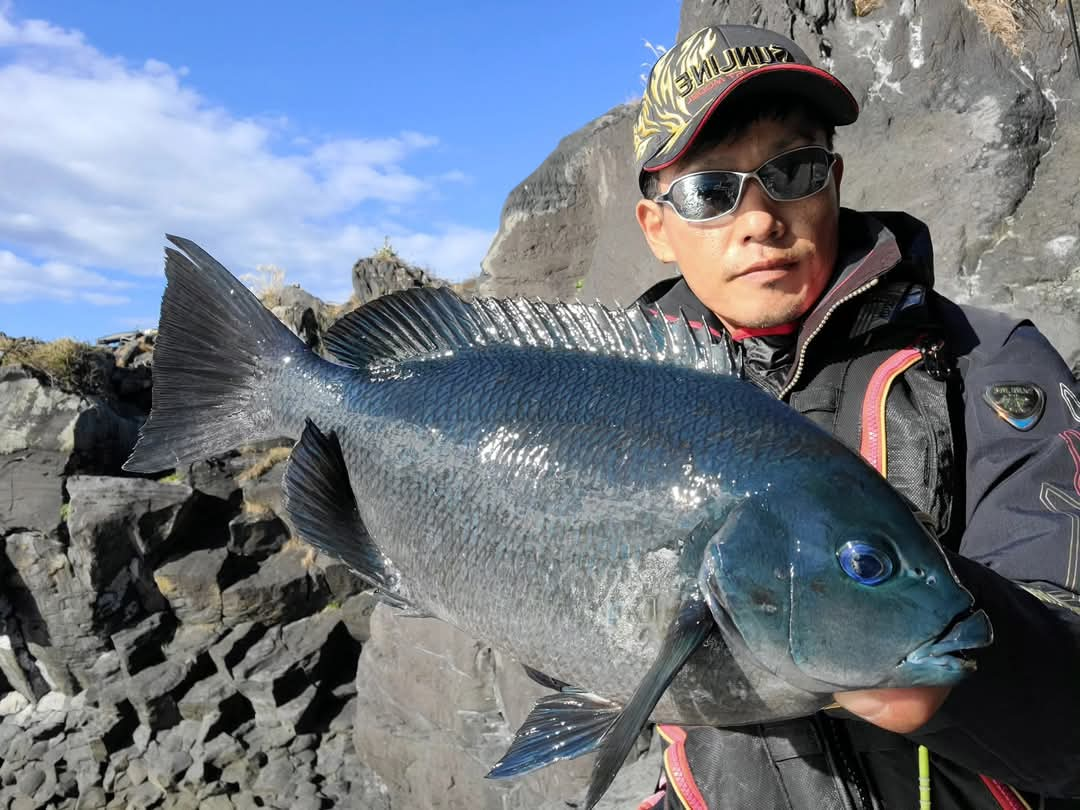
767, 262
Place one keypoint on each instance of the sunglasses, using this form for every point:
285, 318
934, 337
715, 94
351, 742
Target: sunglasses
791, 175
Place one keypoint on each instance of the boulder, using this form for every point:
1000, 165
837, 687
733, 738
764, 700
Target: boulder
256, 535
110, 519
384, 273
46, 433
56, 612
190, 584
568, 229
282, 589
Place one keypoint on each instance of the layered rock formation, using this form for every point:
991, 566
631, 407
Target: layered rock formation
955, 128
163, 643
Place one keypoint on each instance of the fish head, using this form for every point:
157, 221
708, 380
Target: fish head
848, 591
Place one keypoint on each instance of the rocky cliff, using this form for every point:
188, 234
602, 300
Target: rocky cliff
162, 642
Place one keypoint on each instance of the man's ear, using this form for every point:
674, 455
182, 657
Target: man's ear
651, 219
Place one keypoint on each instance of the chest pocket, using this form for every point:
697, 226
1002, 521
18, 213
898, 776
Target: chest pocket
890, 404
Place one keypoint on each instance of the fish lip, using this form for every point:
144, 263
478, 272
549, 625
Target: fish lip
970, 631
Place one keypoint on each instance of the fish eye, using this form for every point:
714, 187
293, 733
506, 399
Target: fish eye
864, 563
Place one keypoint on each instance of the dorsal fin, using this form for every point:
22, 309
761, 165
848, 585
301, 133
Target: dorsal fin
426, 322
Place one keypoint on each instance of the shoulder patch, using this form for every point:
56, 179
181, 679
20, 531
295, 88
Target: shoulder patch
1020, 404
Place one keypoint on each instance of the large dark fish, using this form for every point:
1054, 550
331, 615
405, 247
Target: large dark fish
589, 490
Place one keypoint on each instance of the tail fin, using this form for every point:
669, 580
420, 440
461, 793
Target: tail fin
210, 361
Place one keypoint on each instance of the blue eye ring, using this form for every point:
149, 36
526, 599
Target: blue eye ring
864, 563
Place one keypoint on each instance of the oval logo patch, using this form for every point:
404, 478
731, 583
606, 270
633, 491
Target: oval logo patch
1019, 404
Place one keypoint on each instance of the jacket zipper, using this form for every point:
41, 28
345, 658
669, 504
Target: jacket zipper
802, 351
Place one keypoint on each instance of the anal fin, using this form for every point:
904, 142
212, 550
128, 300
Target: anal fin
320, 503
562, 726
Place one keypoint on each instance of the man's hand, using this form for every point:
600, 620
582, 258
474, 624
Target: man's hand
899, 710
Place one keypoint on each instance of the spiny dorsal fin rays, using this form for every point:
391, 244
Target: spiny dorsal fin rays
527, 322
638, 320
425, 322
555, 336
696, 335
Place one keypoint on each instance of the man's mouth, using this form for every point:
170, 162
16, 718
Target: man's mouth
770, 266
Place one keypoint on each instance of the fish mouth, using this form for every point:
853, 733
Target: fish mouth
968, 632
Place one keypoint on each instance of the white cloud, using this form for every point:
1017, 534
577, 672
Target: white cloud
100, 157
22, 280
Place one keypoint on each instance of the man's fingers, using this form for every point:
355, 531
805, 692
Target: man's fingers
898, 710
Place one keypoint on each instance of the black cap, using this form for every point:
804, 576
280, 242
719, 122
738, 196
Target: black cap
717, 64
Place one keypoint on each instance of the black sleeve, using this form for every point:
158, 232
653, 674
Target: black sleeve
1017, 718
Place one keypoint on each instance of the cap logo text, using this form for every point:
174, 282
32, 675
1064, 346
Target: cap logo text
729, 60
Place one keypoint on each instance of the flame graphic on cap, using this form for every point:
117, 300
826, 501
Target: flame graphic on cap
663, 109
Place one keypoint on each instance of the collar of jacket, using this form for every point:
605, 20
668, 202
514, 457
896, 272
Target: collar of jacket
871, 246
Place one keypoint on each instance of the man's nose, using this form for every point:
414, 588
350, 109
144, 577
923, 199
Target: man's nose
757, 217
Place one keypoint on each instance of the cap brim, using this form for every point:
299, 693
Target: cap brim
823, 90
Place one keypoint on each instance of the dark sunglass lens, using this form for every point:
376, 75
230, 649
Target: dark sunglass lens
703, 196
796, 174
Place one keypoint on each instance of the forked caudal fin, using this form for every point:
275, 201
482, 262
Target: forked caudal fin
209, 364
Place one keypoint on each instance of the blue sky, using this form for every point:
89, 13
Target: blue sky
292, 134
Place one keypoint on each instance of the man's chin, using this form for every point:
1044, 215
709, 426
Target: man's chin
774, 317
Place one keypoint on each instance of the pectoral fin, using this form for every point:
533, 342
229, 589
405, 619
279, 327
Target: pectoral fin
687, 632
562, 726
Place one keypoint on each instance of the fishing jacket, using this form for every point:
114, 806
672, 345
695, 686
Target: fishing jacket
975, 419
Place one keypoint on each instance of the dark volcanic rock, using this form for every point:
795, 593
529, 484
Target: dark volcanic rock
568, 229
379, 275
57, 612
46, 433
190, 584
282, 589
256, 535
111, 518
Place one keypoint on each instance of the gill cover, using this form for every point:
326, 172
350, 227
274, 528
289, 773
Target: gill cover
746, 578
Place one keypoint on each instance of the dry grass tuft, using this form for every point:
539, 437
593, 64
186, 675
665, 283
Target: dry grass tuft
864, 7
68, 364
297, 546
266, 282
266, 462
258, 509
1005, 19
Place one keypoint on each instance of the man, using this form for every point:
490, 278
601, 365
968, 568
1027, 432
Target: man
970, 414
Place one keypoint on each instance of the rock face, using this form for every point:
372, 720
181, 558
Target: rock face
436, 709
979, 143
569, 230
384, 273
163, 643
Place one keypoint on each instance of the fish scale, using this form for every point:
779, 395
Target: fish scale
590, 490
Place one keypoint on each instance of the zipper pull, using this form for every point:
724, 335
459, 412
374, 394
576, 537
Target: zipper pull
937, 359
